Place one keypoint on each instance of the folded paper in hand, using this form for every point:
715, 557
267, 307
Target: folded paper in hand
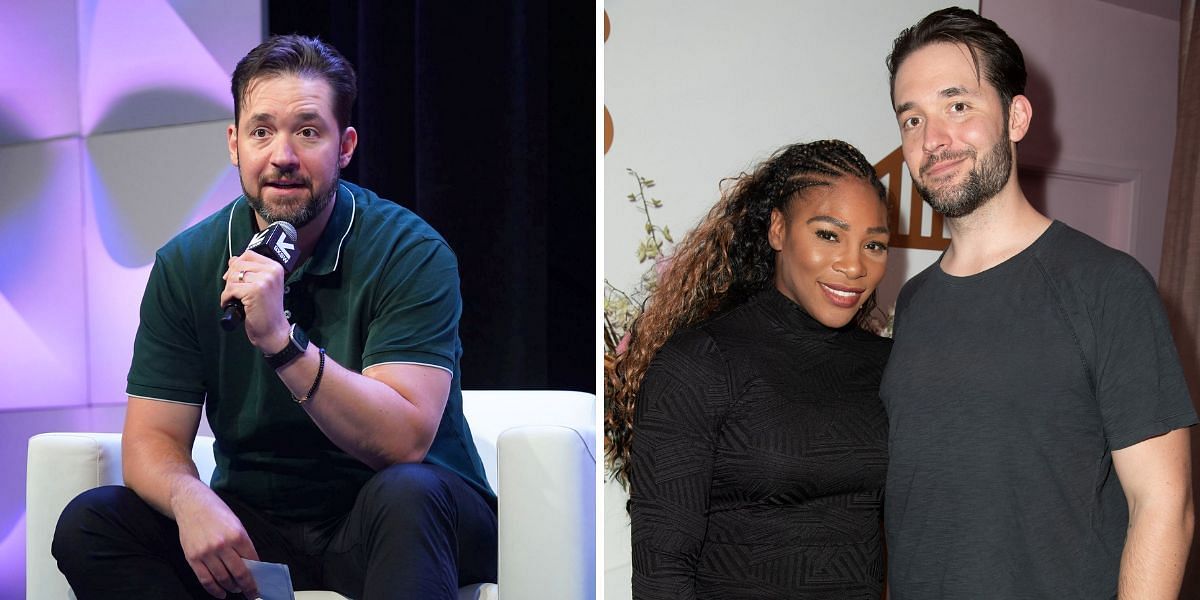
273, 579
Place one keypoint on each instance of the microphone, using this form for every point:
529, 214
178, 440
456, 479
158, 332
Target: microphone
278, 243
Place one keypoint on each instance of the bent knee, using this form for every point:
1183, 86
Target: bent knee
83, 515
409, 485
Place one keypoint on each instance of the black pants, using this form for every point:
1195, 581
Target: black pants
415, 531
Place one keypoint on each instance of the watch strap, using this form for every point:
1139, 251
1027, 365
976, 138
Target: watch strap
297, 344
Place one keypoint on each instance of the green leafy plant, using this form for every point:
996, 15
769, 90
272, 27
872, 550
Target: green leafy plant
622, 307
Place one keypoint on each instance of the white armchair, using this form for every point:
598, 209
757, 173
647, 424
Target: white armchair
538, 448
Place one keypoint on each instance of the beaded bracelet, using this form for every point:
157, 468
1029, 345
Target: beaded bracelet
316, 382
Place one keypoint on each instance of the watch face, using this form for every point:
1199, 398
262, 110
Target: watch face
299, 338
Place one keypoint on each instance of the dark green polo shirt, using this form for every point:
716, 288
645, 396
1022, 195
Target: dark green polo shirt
380, 287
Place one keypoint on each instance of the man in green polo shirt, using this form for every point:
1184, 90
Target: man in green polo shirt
341, 445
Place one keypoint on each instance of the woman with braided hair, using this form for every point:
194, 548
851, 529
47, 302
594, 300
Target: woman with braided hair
745, 415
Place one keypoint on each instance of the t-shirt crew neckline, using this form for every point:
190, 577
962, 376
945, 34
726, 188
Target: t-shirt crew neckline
1016, 261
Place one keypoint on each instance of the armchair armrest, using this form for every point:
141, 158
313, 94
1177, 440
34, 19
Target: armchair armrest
61, 466
547, 513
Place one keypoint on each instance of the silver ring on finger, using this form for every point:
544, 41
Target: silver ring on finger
241, 277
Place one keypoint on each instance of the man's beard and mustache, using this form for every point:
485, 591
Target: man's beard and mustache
298, 215
984, 181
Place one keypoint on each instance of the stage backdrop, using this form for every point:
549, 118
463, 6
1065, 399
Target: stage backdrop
112, 127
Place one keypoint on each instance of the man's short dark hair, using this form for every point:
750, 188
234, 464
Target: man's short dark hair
997, 57
303, 56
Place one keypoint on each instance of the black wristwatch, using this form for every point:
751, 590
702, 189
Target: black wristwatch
297, 344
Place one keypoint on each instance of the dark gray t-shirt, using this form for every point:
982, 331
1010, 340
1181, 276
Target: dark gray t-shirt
1006, 393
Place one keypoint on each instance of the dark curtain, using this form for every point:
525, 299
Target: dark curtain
480, 117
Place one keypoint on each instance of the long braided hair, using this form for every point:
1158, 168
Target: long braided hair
720, 264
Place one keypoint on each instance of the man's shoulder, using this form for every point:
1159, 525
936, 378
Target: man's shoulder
1068, 244
207, 237
1071, 258
379, 216
915, 283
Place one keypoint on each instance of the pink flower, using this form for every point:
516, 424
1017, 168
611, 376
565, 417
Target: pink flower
623, 345
661, 264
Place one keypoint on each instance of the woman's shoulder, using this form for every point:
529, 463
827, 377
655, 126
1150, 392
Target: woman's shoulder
690, 375
871, 345
690, 344
713, 336
693, 356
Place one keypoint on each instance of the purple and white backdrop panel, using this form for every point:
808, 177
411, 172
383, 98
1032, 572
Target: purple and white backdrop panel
112, 128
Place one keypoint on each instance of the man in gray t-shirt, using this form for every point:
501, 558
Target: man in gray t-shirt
1037, 407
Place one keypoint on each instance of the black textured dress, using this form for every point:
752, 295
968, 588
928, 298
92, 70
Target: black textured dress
758, 460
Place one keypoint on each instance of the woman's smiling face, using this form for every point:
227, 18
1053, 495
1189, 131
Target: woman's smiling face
831, 245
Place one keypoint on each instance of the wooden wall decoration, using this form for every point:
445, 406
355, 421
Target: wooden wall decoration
608, 123
891, 168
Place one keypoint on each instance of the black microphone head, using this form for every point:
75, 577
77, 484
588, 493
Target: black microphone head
278, 243
288, 229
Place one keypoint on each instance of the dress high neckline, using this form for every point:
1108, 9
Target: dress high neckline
795, 317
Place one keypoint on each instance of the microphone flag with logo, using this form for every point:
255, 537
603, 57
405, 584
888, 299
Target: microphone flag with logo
278, 243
